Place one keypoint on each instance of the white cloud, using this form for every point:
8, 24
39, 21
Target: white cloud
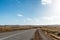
47, 18
43, 20
44, 2
20, 15
29, 19
56, 6
52, 19
32, 21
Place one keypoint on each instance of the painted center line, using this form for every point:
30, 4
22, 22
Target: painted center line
13, 35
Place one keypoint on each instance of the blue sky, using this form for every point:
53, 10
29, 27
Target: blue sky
29, 12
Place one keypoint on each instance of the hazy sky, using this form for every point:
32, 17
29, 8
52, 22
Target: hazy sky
29, 12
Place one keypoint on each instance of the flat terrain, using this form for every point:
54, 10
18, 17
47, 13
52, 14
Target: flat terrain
30, 33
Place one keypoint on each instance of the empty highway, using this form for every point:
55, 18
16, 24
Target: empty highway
23, 35
18, 35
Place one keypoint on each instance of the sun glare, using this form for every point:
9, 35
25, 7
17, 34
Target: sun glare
56, 6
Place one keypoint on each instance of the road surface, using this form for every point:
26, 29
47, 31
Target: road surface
18, 35
23, 35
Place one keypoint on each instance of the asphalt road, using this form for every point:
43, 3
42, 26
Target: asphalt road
23, 35
18, 35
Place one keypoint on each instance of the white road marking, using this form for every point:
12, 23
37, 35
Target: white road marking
13, 35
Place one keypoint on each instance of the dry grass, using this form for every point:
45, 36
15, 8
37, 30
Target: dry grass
7, 28
52, 30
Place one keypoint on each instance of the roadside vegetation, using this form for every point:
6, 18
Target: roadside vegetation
51, 31
7, 28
